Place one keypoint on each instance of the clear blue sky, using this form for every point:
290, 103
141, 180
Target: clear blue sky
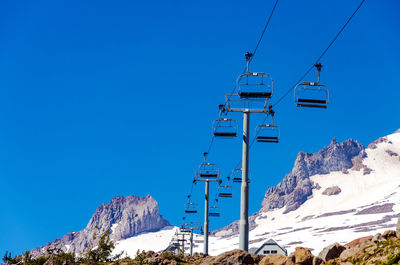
101, 98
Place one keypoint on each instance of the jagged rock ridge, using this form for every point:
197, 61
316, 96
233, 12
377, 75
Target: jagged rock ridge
296, 186
124, 216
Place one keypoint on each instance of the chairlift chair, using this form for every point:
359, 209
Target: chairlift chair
312, 94
237, 176
225, 127
208, 170
214, 210
253, 85
225, 191
214, 214
267, 133
190, 207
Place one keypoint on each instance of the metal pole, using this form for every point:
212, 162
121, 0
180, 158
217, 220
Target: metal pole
183, 243
244, 199
191, 242
206, 219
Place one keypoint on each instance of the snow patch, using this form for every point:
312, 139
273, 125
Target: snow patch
113, 227
155, 241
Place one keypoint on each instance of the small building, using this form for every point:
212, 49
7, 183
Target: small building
271, 247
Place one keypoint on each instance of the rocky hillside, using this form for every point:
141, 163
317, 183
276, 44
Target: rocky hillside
296, 186
344, 191
124, 216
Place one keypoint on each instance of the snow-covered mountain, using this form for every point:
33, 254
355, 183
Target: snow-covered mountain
343, 192
127, 217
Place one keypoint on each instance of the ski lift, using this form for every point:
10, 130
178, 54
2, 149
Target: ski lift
268, 133
214, 210
252, 85
208, 170
312, 94
190, 207
237, 176
224, 127
225, 191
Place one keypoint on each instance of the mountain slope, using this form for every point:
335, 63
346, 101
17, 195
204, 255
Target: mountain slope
296, 186
124, 216
342, 192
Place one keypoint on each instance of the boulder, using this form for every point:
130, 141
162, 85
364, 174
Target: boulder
388, 234
377, 238
348, 253
358, 241
303, 256
233, 257
273, 259
331, 252
334, 190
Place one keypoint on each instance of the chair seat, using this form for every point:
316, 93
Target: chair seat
208, 175
225, 134
214, 214
225, 195
255, 94
311, 106
267, 141
267, 137
305, 100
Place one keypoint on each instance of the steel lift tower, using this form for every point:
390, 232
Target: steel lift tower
207, 172
253, 90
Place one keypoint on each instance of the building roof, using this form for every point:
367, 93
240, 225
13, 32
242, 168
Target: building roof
271, 242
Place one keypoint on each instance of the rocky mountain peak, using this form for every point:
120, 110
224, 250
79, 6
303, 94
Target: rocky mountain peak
296, 186
124, 216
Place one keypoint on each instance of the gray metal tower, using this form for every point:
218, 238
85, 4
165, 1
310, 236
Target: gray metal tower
253, 90
207, 172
